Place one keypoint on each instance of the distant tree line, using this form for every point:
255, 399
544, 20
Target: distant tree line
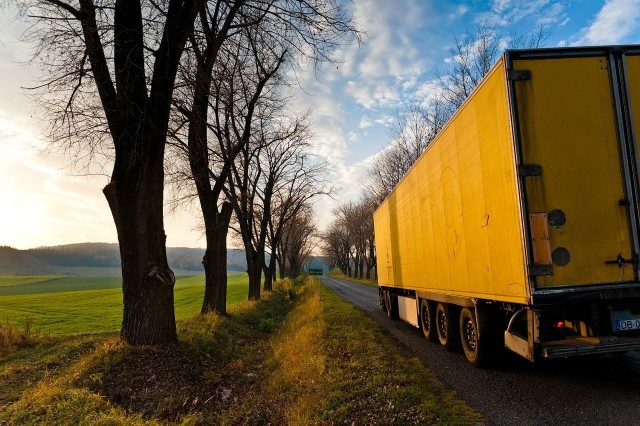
99, 255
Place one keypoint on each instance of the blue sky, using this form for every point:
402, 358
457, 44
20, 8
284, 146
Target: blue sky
42, 202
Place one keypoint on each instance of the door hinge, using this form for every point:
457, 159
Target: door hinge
620, 261
516, 75
527, 170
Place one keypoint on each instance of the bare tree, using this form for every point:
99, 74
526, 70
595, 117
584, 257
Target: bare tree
269, 32
472, 57
220, 125
336, 247
411, 131
301, 237
299, 178
268, 168
109, 69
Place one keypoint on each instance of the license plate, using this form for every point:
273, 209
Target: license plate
629, 324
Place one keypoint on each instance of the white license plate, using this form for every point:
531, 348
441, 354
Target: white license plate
630, 324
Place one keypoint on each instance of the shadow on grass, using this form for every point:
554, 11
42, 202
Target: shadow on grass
98, 379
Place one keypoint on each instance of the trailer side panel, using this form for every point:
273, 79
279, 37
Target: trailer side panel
453, 224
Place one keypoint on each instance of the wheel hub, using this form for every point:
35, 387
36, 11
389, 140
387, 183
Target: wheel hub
469, 334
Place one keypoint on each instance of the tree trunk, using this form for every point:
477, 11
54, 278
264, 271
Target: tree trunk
254, 269
215, 261
282, 264
280, 269
135, 197
270, 273
273, 270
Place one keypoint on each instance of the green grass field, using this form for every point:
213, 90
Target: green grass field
76, 305
18, 281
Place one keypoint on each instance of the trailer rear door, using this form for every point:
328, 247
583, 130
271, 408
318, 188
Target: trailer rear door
566, 119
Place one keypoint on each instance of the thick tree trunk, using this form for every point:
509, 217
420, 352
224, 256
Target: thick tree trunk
215, 261
135, 199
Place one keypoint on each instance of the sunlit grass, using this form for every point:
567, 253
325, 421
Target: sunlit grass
73, 305
301, 355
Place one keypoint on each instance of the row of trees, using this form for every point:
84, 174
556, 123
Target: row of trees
349, 241
197, 87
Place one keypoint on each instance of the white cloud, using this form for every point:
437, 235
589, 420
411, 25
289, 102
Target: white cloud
510, 12
616, 21
365, 122
461, 10
389, 61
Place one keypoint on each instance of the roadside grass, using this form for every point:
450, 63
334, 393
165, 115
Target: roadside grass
300, 355
78, 305
372, 381
338, 274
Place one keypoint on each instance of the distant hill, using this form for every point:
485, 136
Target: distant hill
101, 259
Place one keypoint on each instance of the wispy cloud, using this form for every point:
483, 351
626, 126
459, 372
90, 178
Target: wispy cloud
614, 23
509, 12
390, 58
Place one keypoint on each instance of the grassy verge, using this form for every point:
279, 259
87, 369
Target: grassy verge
337, 274
301, 355
372, 382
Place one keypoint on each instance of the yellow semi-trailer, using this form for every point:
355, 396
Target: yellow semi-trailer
518, 226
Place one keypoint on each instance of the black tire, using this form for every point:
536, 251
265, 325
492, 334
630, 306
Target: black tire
470, 337
427, 320
383, 301
391, 301
446, 330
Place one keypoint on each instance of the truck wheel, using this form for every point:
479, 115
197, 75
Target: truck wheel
427, 322
391, 300
383, 301
444, 327
469, 336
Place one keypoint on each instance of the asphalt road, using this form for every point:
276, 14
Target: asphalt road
576, 391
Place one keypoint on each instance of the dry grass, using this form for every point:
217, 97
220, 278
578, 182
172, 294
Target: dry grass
299, 356
13, 338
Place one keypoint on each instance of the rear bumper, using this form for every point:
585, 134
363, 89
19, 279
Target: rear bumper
589, 346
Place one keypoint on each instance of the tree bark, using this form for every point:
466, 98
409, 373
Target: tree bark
137, 110
135, 197
281, 265
215, 261
254, 269
270, 273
